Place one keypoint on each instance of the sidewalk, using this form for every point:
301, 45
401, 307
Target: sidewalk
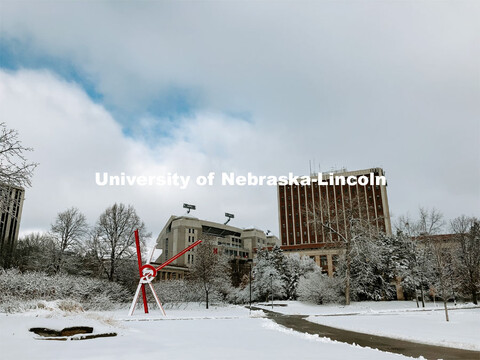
407, 348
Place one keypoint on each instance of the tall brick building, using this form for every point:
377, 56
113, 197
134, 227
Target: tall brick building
330, 203
11, 203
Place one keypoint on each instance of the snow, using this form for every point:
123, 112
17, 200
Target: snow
429, 327
398, 319
189, 332
304, 308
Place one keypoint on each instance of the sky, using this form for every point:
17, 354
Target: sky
269, 87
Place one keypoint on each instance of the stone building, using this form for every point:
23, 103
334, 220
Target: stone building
181, 231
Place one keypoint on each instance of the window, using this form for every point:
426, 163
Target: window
166, 248
323, 261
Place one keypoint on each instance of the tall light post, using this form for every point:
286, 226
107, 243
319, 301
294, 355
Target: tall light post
229, 217
250, 285
271, 287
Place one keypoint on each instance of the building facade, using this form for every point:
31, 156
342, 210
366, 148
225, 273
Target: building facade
182, 231
11, 204
302, 208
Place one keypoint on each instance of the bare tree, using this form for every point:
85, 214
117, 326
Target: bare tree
68, 231
113, 239
467, 259
430, 221
14, 167
15, 171
442, 265
209, 268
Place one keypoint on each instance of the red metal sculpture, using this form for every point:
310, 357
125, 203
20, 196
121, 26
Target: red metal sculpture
148, 272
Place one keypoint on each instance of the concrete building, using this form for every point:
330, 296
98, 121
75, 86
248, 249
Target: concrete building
182, 231
302, 207
11, 204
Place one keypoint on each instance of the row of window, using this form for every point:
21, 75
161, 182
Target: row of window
243, 254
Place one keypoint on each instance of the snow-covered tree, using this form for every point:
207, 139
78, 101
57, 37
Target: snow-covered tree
348, 226
413, 265
267, 278
372, 269
442, 284
319, 288
296, 267
467, 255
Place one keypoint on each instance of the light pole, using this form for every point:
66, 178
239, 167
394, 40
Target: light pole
250, 286
271, 287
229, 217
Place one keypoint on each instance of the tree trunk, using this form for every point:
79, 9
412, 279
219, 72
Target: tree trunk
474, 297
444, 295
112, 270
347, 275
423, 297
206, 299
446, 309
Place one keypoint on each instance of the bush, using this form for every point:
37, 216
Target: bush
320, 289
174, 292
75, 291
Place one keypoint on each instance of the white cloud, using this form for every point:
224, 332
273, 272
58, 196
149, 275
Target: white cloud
348, 84
73, 138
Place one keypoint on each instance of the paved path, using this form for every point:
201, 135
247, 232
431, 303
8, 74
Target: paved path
408, 348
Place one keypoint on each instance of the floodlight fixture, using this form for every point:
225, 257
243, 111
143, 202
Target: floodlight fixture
189, 207
229, 216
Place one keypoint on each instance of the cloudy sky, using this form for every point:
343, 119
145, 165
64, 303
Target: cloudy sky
192, 87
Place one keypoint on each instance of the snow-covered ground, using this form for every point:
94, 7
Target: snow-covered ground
398, 319
303, 308
187, 333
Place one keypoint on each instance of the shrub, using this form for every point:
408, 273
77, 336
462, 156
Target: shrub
320, 289
74, 291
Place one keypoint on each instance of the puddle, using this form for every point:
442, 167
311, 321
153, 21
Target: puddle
70, 333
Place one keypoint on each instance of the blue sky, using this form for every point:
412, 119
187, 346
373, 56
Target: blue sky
165, 107
20, 53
